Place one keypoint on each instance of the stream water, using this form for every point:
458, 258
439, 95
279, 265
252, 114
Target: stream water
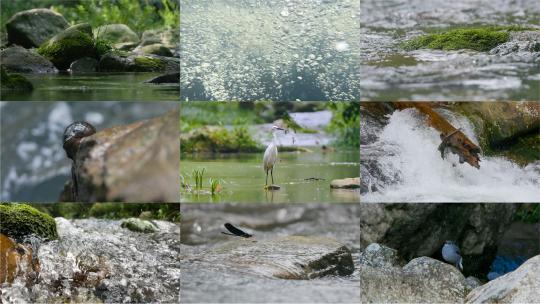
206, 283
97, 261
279, 50
94, 87
400, 163
390, 73
34, 164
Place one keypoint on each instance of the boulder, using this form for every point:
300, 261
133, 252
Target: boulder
138, 225
376, 255
33, 27
17, 59
290, 257
421, 230
346, 183
120, 62
20, 221
154, 49
170, 38
519, 286
73, 43
83, 65
165, 78
524, 41
14, 82
131, 163
117, 34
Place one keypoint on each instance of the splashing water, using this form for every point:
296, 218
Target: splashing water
404, 165
272, 50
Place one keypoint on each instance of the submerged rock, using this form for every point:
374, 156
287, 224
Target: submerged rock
131, 163
421, 230
165, 78
138, 225
116, 34
519, 286
73, 43
33, 27
14, 82
291, 257
20, 221
20, 60
346, 183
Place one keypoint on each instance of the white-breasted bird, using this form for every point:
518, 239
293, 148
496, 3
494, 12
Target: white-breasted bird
271, 155
451, 254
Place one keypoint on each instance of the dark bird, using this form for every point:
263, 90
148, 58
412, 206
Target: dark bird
235, 231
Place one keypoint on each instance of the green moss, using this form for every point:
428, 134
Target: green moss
528, 213
219, 140
149, 64
14, 81
138, 225
480, 39
20, 220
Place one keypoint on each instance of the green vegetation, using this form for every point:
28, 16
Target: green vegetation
14, 81
219, 140
138, 225
198, 177
200, 114
215, 185
149, 64
346, 123
528, 213
20, 220
287, 119
480, 39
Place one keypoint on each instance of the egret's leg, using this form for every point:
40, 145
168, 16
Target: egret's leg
272, 174
266, 182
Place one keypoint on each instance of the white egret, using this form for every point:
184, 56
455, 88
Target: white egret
271, 155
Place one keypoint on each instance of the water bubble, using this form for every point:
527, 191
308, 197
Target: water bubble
341, 46
284, 12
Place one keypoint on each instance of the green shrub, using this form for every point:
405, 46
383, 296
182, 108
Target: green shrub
345, 123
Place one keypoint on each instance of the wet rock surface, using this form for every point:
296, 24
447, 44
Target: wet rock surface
421, 230
116, 34
519, 286
346, 183
165, 78
131, 163
115, 62
16, 59
83, 65
33, 27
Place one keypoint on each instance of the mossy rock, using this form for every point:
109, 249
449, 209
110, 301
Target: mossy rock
138, 225
73, 43
117, 61
480, 39
116, 33
14, 82
20, 220
212, 139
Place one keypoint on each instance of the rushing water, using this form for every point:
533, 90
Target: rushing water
34, 164
94, 87
271, 50
402, 164
97, 261
390, 73
204, 283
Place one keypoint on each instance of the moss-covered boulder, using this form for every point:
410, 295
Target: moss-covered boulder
20, 220
33, 27
17, 59
213, 139
73, 43
115, 61
14, 82
138, 225
480, 39
116, 34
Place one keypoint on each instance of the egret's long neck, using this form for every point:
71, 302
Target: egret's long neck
274, 138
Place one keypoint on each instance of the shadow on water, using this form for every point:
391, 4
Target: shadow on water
303, 177
95, 87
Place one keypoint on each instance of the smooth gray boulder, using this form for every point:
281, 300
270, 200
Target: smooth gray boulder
290, 257
116, 34
33, 27
519, 286
83, 65
17, 59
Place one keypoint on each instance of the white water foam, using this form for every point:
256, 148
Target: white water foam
426, 177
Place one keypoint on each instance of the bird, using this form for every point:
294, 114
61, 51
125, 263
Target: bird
271, 155
452, 255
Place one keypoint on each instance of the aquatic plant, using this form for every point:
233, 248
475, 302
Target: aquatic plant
215, 185
198, 176
480, 39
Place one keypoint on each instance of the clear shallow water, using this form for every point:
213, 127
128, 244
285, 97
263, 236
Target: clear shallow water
94, 87
207, 283
403, 163
270, 50
244, 179
121, 266
34, 164
390, 73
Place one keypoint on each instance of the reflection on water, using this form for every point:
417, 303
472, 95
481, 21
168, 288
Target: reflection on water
390, 73
303, 177
279, 50
94, 87
34, 164
206, 283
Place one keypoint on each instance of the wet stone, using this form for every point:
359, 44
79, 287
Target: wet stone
83, 65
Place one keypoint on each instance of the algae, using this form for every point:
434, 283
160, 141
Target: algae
14, 81
480, 39
21, 220
149, 64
